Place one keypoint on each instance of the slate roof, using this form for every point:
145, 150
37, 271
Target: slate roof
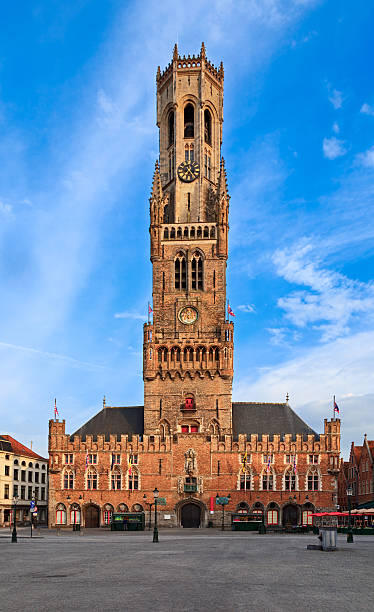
114, 420
248, 418
20, 449
262, 418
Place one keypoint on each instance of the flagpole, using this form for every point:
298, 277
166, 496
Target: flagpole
148, 314
333, 408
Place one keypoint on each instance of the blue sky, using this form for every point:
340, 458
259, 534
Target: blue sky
77, 150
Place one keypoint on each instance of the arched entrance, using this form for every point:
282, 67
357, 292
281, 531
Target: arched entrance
91, 516
290, 515
190, 515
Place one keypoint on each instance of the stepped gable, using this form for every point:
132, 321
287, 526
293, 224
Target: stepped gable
113, 420
263, 418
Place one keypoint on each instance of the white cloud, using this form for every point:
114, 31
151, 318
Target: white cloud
336, 98
130, 315
332, 300
367, 110
5, 209
335, 128
246, 308
366, 159
333, 147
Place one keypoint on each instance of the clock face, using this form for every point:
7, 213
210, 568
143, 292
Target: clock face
188, 315
188, 171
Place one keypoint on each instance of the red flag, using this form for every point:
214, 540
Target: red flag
56, 411
149, 308
336, 407
230, 311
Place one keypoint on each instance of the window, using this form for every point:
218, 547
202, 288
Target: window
6, 491
242, 508
23, 492
107, 515
75, 515
116, 459
272, 517
36, 476
68, 479
267, 481
15, 490
7, 457
29, 492
313, 459
180, 272
313, 481
171, 128
116, 480
36, 492
7, 470
307, 517
42, 494
287, 458
43, 478
92, 479
185, 429
133, 481
61, 515
197, 272
289, 481
207, 127
133, 459
16, 462
23, 475
194, 429
189, 121
245, 482
190, 429
267, 459
15, 474
92, 459
68, 458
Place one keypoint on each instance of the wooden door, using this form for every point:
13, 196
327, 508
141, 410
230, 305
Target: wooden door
92, 516
190, 516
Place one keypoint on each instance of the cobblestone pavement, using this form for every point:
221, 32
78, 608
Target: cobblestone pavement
187, 570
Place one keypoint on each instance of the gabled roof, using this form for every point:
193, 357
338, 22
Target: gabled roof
263, 418
5, 445
20, 449
114, 420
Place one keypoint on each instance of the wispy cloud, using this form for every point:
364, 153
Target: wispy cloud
332, 300
335, 128
367, 110
130, 315
49, 355
335, 97
247, 308
333, 147
366, 159
5, 209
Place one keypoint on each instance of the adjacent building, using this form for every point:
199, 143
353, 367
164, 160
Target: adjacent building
189, 439
358, 475
23, 478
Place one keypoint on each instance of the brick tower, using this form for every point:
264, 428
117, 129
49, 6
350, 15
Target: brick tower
188, 350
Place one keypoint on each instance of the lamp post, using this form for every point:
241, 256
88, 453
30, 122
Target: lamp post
155, 530
32, 506
223, 511
14, 532
150, 504
350, 531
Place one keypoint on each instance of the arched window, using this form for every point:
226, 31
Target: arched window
258, 509
60, 514
272, 515
313, 480
123, 508
242, 508
307, 516
268, 481
180, 272
75, 514
166, 231
137, 508
133, 479
290, 480
197, 272
116, 479
171, 128
189, 121
68, 479
107, 514
207, 127
162, 354
91, 479
214, 428
165, 429
212, 232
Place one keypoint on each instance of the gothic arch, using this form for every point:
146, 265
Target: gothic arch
214, 428
191, 500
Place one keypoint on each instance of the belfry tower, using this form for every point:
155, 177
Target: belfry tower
188, 350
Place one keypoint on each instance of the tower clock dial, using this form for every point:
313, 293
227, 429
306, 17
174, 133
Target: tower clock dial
188, 315
188, 171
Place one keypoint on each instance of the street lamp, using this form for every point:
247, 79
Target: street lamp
350, 530
155, 530
223, 510
14, 532
150, 504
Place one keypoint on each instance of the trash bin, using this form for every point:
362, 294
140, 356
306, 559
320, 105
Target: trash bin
328, 538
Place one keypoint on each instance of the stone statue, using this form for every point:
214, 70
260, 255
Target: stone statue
190, 463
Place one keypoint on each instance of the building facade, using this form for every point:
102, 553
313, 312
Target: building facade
189, 439
23, 478
358, 475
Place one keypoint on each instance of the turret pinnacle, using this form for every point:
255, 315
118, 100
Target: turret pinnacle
202, 51
175, 52
222, 188
156, 183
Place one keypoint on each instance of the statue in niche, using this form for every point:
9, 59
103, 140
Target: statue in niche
190, 463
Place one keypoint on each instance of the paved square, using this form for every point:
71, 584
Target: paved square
187, 570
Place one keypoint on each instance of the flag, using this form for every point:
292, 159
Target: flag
244, 461
113, 460
336, 407
130, 465
294, 464
87, 460
149, 308
229, 310
269, 462
56, 411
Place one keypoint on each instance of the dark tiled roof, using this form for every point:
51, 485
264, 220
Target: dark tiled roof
259, 418
20, 449
116, 421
